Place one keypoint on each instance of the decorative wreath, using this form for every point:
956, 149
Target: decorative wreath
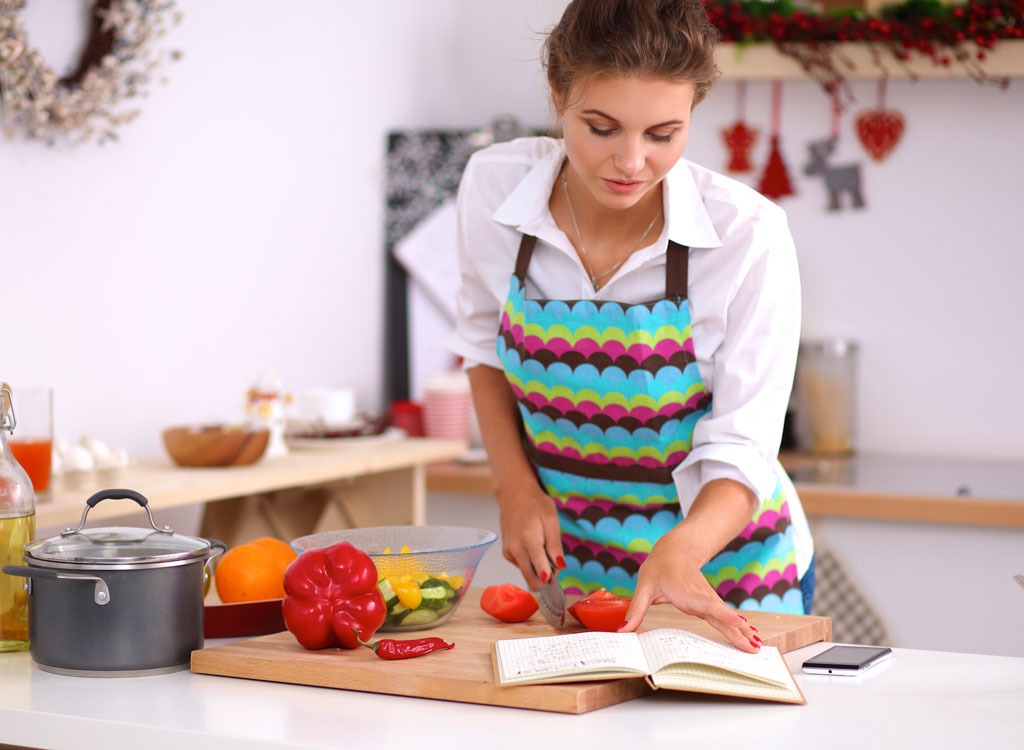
117, 64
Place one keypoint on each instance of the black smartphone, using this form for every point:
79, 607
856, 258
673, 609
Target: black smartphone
846, 660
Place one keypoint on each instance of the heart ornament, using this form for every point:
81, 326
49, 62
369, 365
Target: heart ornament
879, 131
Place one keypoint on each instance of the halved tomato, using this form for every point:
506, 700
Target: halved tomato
601, 610
508, 602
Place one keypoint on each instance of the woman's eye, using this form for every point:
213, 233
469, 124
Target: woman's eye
601, 133
660, 137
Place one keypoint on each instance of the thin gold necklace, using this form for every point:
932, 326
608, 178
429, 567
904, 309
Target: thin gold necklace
596, 280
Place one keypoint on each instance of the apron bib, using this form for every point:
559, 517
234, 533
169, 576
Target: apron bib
609, 395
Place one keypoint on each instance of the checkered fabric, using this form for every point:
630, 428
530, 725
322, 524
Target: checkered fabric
837, 595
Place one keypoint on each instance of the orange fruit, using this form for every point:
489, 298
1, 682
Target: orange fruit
253, 571
282, 552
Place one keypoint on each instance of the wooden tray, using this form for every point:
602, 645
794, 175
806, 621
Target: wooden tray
465, 673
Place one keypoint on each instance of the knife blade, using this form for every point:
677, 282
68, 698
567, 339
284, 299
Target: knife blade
551, 599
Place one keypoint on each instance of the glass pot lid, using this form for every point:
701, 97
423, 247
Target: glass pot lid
117, 546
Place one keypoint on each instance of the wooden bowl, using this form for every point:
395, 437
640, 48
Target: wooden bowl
215, 445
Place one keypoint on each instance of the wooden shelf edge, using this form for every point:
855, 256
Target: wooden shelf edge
763, 62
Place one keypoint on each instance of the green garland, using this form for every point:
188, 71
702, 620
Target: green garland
961, 33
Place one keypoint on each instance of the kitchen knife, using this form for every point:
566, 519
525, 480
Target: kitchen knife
551, 600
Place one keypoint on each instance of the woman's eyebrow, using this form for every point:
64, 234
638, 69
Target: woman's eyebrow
606, 116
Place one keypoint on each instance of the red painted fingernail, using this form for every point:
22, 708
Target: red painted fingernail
544, 577
753, 628
755, 644
560, 561
758, 639
742, 618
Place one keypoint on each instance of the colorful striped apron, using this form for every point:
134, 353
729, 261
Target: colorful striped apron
609, 395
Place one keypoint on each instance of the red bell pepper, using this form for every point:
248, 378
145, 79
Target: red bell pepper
331, 597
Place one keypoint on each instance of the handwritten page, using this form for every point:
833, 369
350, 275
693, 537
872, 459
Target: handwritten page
666, 646
530, 658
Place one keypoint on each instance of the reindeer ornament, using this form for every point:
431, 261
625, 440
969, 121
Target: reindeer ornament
838, 179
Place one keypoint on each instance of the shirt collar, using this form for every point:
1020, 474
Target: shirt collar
526, 207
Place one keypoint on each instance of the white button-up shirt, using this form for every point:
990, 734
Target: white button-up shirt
744, 292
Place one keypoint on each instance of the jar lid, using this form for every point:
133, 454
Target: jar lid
117, 546
835, 347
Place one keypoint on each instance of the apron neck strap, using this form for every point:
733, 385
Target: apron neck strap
676, 270
526, 246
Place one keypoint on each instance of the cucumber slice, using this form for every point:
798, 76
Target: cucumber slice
436, 583
388, 592
420, 617
436, 601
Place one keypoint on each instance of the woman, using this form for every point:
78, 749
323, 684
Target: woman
647, 313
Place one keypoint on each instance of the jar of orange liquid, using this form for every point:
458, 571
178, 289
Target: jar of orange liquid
32, 441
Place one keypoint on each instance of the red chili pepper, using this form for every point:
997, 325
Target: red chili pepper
390, 649
331, 597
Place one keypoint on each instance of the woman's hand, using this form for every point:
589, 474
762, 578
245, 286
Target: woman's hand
671, 573
668, 576
530, 536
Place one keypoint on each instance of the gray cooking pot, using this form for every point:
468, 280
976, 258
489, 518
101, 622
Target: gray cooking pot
115, 602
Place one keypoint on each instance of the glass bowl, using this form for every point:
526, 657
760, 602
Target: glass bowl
423, 572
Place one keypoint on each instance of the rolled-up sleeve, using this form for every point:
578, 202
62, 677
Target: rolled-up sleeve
752, 370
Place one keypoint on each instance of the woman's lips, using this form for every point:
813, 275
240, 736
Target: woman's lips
622, 187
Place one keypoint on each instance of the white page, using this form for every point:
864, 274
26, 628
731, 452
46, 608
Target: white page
533, 657
666, 646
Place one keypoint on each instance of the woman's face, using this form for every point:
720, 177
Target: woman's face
623, 135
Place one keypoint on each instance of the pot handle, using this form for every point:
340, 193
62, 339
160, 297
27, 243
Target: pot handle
100, 594
117, 494
217, 547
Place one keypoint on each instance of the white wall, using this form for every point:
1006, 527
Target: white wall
236, 227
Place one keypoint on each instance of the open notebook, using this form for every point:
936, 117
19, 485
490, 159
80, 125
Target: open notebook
668, 658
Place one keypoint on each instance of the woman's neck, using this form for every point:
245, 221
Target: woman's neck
603, 237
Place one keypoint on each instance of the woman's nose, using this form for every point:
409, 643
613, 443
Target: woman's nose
630, 157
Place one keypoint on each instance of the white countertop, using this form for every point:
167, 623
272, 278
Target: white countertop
919, 699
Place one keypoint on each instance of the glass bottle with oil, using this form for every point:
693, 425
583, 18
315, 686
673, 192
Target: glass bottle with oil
17, 527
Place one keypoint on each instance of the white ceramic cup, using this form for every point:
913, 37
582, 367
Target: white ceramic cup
327, 405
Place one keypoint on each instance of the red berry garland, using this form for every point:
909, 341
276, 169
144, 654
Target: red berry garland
930, 28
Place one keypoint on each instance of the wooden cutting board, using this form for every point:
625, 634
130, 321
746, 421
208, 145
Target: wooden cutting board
465, 673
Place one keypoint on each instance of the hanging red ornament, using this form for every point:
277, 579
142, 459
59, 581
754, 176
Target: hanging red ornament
775, 182
739, 137
880, 129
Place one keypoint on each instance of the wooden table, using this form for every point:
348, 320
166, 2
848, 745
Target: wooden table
892, 488
365, 484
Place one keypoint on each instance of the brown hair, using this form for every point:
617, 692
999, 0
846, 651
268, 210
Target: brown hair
670, 39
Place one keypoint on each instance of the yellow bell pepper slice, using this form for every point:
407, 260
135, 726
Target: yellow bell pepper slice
408, 593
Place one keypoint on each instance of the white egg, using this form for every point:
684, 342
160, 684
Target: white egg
115, 459
99, 450
78, 458
56, 462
